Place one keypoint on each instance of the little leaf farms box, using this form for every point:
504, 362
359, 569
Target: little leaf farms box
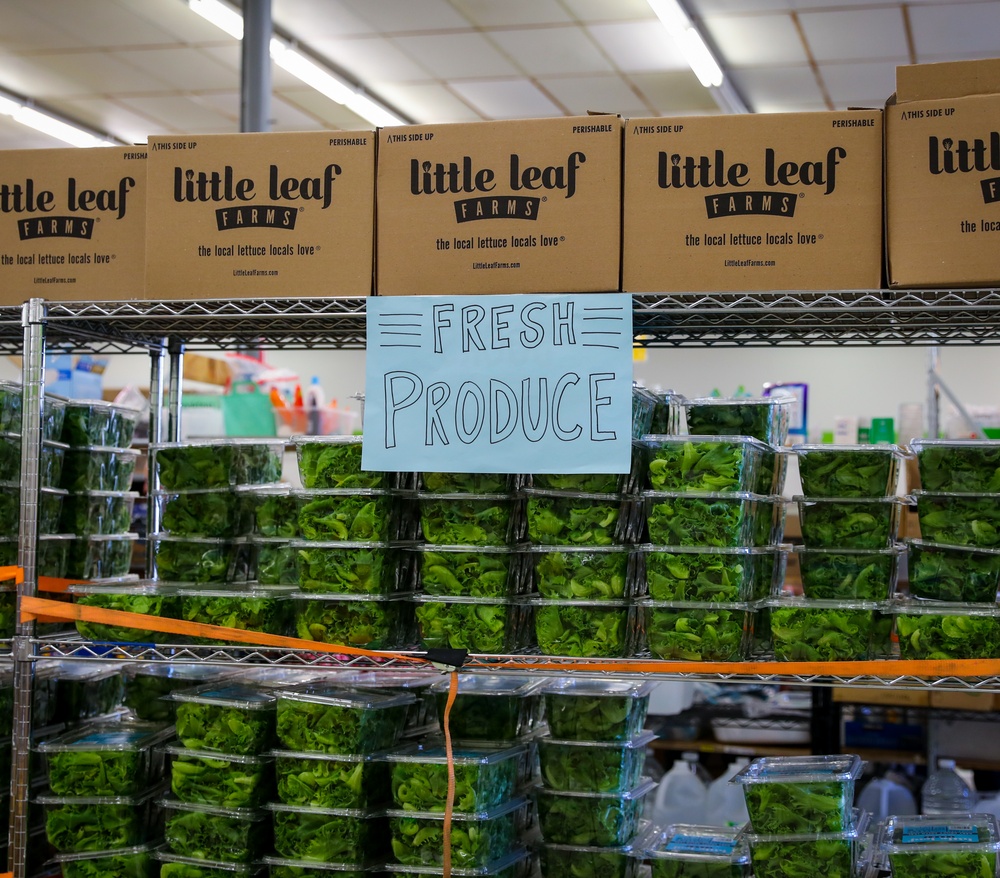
753, 202
72, 223
527, 206
943, 175
261, 215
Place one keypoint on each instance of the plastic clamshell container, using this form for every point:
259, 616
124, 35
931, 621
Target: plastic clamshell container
97, 512
491, 834
593, 766
346, 567
98, 468
479, 625
849, 523
687, 519
585, 629
214, 512
50, 465
698, 631
711, 573
331, 780
226, 717
50, 502
957, 844
273, 561
105, 759
485, 777
464, 483
808, 630
492, 708
954, 519
274, 510
95, 422
467, 519
225, 780
100, 556
574, 859
97, 823
689, 849
128, 862
953, 573
939, 630
701, 464
575, 519
773, 470
583, 572
136, 596
53, 554
10, 457
331, 719
763, 418
855, 471
343, 515
816, 792
201, 560
148, 686
586, 483
10, 406
346, 834
599, 819
84, 690
850, 574
283, 867
369, 621
960, 465
334, 462
470, 571
582, 709
175, 866
263, 609
782, 855
519, 863
215, 463
235, 835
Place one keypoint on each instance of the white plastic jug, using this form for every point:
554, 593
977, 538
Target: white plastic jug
725, 804
882, 797
680, 796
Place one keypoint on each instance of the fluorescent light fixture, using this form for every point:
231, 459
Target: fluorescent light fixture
689, 40
303, 68
39, 120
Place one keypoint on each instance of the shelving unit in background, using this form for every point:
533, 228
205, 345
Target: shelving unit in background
167, 329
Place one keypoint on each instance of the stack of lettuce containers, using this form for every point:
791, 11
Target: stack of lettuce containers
954, 567
850, 517
220, 779
801, 815
590, 764
685, 850
961, 844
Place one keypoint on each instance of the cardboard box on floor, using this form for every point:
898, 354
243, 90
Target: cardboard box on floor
943, 175
72, 223
530, 206
261, 215
753, 202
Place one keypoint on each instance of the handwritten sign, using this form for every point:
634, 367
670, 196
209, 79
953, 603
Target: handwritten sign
504, 384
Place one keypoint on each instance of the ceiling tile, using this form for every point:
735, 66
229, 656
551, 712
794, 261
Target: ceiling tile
406, 16
112, 117
701, 8
101, 23
16, 136
608, 10
856, 35
288, 115
606, 94
756, 40
429, 103
780, 89
371, 59
510, 99
22, 30
95, 73
675, 93
859, 85
332, 114
181, 69
453, 56
959, 30
177, 22
489, 13
187, 115
639, 46
567, 50
34, 78
306, 19
834, 5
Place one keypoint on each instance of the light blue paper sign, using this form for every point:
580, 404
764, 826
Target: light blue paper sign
501, 384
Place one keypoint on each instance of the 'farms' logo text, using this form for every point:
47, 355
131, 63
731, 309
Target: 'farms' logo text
949, 156
676, 171
455, 178
207, 187
76, 217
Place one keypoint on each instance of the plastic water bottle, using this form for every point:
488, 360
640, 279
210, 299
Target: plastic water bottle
725, 804
680, 796
944, 791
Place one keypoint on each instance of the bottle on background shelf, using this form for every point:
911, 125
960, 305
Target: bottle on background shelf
944, 791
681, 795
725, 804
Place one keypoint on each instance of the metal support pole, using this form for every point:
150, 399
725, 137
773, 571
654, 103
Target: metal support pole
255, 91
32, 394
157, 358
176, 349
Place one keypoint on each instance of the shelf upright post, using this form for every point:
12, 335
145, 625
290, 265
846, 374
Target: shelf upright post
176, 349
32, 390
156, 368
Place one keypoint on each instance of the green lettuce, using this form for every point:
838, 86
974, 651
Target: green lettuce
701, 521
696, 635
595, 717
466, 574
88, 424
72, 827
84, 514
353, 517
267, 615
572, 521
601, 821
465, 521
829, 858
490, 718
944, 864
582, 631
81, 772
947, 636
97, 470
574, 862
10, 407
959, 521
205, 514
180, 560
306, 726
821, 634
971, 469
848, 525
755, 419
589, 769
190, 870
702, 466
581, 575
96, 558
346, 570
699, 576
587, 483
276, 514
336, 465
326, 838
423, 786
285, 870
222, 781
258, 463
787, 807
331, 783
953, 574
10, 458
275, 563
187, 467
845, 576
219, 837
146, 695
115, 864
474, 843
374, 624
225, 729
678, 868
846, 473
166, 606
465, 483
483, 627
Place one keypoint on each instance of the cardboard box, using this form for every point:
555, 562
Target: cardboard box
529, 206
943, 176
72, 224
753, 202
261, 215
891, 697
963, 700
